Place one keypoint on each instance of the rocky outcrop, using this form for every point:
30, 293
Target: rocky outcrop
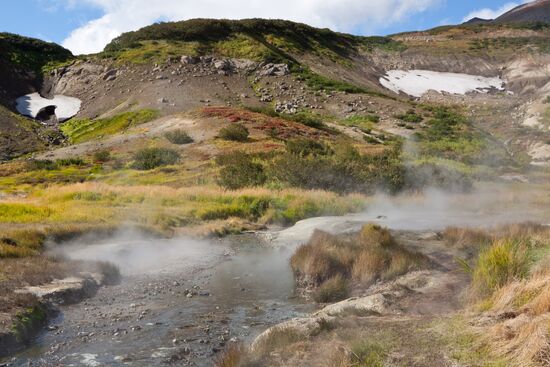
68, 290
59, 292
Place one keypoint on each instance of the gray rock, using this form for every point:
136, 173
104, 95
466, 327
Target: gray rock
189, 60
274, 70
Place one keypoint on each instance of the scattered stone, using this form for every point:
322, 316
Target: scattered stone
274, 70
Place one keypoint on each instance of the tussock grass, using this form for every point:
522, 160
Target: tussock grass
466, 237
329, 261
511, 280
504, 261
332, 290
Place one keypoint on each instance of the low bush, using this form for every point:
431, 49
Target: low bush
150, 158
240, 170
179, 137
49, 165
304, 147
42, 164
410, 116
102, 156
342, 170
234, 132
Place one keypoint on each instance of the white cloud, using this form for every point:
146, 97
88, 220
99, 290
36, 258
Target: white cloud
342, 15
487, 13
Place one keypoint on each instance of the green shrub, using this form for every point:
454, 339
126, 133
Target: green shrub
179, 137
102, 156
239, 170
341, 170
234, 132
42, 164
151, 158
410, 116
305, 147
70, 162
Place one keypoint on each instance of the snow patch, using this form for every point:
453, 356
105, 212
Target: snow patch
418, 82
31, 104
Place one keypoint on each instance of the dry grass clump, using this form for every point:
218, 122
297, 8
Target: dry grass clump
332, 290
463, 238
233, 356
328, 262
511, 281
279, 337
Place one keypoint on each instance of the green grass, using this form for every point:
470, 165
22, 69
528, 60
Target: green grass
364, 122
318, 82
79, 131
22, 213
368, 354
504, 261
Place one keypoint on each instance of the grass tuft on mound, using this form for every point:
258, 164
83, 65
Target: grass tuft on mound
329, 262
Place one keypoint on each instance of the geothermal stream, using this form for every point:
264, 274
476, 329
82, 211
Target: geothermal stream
243, 283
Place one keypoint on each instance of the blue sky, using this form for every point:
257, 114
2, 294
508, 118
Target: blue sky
86, 25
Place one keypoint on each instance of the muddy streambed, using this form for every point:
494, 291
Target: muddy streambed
239, 287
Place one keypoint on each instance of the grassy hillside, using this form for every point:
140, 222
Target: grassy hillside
278, 38
30, 54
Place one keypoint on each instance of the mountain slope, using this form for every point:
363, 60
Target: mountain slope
536, 11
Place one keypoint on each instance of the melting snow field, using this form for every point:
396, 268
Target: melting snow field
418, 82
31, 104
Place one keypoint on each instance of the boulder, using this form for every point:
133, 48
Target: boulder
274, 70
189, 60
110, 75
224, 65
244, 64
